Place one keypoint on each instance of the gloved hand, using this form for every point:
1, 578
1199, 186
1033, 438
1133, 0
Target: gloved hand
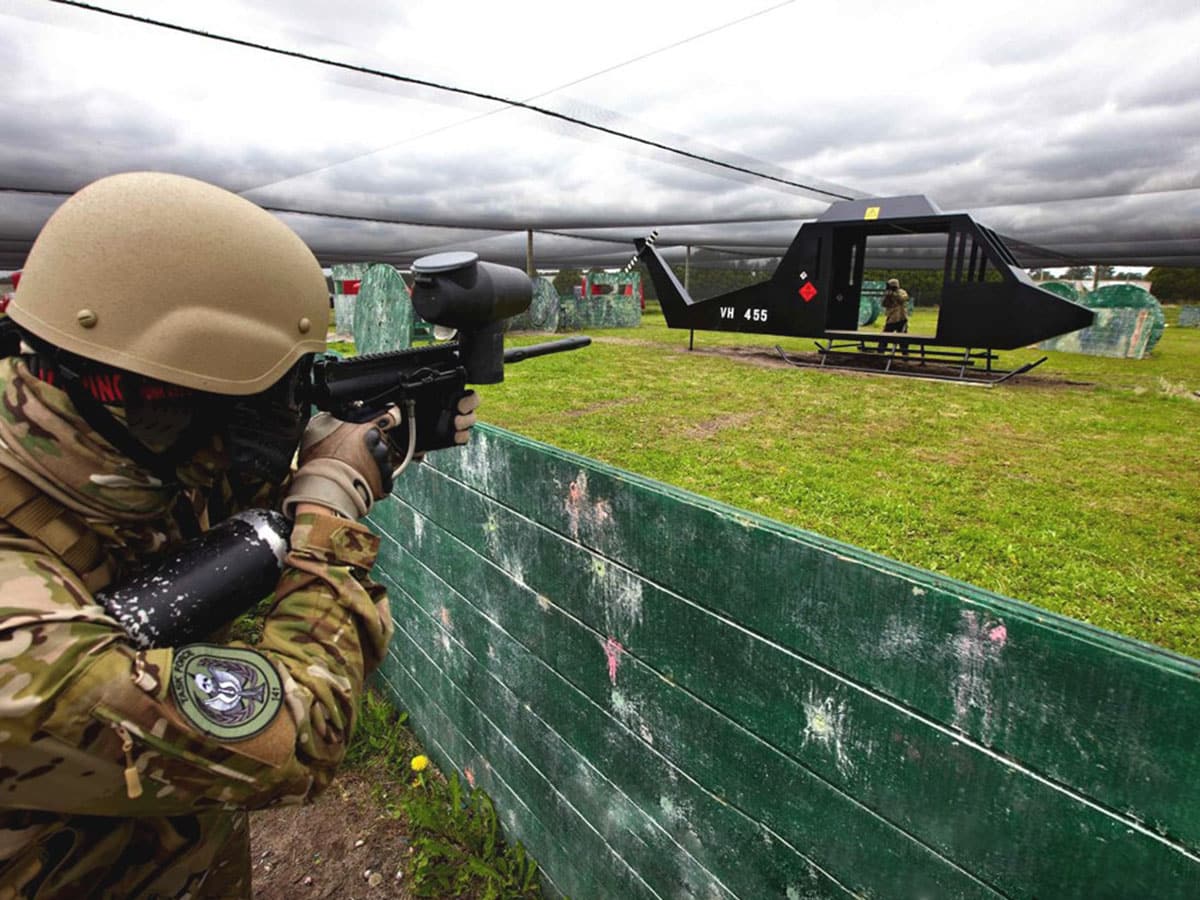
464, 419
343, 467
450, 427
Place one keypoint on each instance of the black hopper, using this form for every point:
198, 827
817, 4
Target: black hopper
988, 302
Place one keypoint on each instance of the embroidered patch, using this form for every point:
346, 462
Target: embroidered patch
226, 692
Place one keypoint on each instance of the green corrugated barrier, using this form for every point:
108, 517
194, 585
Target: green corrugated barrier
668, 697
383, 313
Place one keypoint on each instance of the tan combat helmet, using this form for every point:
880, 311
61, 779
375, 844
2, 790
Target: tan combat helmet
893, 283
176, 280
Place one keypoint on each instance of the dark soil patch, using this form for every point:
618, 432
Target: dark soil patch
858, 366
342, 846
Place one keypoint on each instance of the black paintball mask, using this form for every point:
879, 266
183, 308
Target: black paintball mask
162, 427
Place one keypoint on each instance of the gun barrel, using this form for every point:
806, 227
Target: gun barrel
516, 354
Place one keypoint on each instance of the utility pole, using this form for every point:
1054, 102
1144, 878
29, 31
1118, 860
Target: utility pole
1095, 276
529, 269
687, 271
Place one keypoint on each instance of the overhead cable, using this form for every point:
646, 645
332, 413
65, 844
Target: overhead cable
466, 92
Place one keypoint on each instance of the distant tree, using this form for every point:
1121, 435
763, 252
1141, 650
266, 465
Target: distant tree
1077, 273
566, 280
1106, 272
1174, 283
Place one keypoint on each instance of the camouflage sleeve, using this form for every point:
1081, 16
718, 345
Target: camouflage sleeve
89, 725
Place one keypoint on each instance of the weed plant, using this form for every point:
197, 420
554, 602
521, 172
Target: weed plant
457, 846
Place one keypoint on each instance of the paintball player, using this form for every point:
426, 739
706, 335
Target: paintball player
166, 324
895, 307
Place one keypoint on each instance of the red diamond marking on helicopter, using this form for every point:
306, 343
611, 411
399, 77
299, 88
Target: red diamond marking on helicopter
808, 291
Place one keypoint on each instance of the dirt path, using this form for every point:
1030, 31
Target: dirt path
343, 846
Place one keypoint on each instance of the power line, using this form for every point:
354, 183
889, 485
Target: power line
492, 112
466, 92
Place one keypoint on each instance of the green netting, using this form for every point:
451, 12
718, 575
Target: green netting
1123, 332
1130, 296
383, 316
1062, 289
1189, 317
599, 311
542, 314
870, 302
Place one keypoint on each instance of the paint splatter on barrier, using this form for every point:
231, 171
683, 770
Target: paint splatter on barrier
654, 678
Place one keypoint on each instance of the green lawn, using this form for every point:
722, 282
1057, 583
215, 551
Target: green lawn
1076, 488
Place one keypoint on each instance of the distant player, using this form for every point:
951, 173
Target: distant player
895, 306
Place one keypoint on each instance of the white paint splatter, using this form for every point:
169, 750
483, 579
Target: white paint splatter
584, 513
675, 813
620, 592
977, 650
476, 462
628, 713
825, 725
900, 637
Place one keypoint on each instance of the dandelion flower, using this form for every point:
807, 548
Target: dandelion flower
420, 763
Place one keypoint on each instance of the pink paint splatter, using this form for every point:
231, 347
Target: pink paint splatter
998, 635
470, 776
612, 653
445, 617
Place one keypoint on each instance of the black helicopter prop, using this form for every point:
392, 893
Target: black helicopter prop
988, 302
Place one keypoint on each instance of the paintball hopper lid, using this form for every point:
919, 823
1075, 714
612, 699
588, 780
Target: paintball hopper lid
456, 290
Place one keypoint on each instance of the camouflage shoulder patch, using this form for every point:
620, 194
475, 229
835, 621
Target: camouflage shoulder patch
228, 693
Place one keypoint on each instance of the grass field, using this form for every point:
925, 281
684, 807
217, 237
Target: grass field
1075, 488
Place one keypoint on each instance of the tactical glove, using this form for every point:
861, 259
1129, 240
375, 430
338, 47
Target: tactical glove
464, 418
343, 466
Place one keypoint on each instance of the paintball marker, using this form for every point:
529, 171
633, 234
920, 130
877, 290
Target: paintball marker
220, 574
455, 292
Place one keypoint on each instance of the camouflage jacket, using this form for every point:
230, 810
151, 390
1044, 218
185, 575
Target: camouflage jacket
895, 304
114, 781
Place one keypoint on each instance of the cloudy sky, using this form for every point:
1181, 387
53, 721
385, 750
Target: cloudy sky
1070, 125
